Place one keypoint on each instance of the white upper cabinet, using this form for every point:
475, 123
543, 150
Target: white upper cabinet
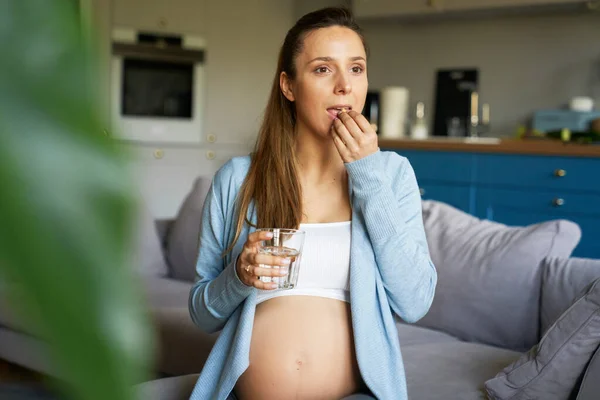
455, 5
390, 8
174, 16
96, 17
407, 8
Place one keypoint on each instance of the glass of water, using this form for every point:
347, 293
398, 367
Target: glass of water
285, 243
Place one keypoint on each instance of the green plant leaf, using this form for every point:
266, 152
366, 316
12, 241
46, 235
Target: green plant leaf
66, 205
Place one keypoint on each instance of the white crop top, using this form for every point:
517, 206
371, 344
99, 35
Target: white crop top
324, 264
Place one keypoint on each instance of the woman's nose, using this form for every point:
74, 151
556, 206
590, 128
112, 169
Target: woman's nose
343, 85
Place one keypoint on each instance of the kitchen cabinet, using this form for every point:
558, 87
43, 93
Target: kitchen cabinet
96, 18
175, 16
570, 174
459, 166
164, 174
457, 5
374, 9
457, 195
515, 189
519, 207
386, 8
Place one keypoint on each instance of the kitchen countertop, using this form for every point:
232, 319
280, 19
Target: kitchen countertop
493, 145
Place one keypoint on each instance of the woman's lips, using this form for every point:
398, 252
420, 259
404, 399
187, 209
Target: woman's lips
333, 112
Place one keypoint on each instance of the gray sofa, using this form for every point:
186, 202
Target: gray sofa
500, 289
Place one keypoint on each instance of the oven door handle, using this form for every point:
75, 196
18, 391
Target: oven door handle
154, 53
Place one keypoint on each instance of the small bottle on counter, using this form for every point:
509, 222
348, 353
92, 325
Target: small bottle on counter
485, 119
419, 127
474, 127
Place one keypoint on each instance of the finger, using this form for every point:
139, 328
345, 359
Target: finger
361, 121
341, 147
341, 130
351, 125
258, 236
267, 259
276, 271
257, 283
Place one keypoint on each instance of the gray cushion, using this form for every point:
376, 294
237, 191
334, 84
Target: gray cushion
147, 255
183, 348
590, 386
552, 369
489, 274
562, 280
412, 335
452, 370
182, 240
173, 388
165, 292
27, 351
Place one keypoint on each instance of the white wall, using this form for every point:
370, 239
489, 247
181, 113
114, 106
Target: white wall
526, 63
243, 40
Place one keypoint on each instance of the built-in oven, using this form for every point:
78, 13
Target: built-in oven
157, 86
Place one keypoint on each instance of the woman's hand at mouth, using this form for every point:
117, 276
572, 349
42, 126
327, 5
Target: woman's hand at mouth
353, 136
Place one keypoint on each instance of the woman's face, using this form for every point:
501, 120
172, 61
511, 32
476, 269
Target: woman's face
331, 74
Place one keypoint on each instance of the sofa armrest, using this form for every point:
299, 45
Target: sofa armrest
590, 385
183, 348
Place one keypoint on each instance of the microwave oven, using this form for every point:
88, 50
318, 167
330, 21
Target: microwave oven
157, 86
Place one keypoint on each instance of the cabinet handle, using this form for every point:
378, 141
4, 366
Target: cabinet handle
558, 202
422, 191
560, 173
159, 153
435, 4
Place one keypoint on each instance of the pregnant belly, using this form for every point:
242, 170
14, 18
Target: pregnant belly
302, 348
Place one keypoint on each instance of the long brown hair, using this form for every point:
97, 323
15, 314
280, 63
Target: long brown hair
272, 180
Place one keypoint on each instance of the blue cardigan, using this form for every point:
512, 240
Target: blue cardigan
390, 271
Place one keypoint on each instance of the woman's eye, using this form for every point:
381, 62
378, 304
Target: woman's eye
322, 70
357, 69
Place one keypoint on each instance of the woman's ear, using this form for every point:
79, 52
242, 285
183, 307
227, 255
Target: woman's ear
285, 83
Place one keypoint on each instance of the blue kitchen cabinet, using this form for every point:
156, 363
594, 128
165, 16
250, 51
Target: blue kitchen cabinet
457, 195
527, 172
442, 167
589, 246
444, 176
519, 208
515, 190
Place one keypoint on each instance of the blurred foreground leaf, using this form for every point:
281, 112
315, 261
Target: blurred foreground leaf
66, 205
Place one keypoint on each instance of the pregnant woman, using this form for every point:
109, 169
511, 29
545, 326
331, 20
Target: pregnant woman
316, 167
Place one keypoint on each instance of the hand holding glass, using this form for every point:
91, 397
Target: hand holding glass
286, 243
